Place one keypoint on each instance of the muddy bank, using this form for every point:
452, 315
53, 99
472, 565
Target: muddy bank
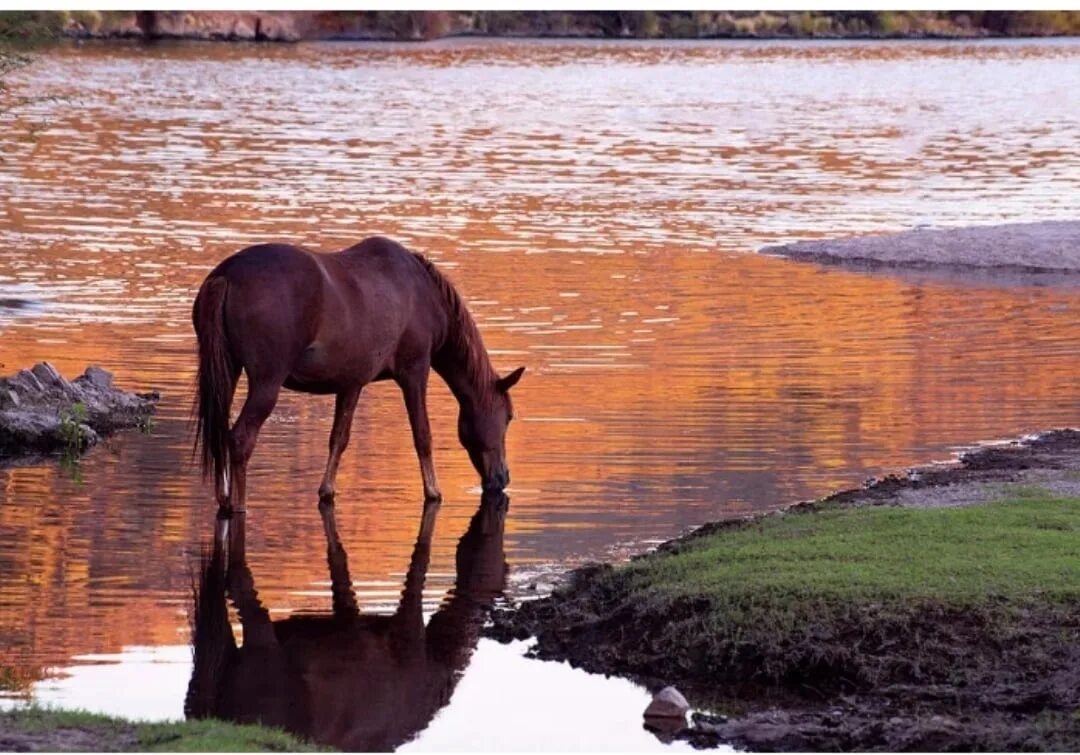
1031, 252
855, 660
42, 413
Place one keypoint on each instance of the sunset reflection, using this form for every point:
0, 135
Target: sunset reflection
606, 243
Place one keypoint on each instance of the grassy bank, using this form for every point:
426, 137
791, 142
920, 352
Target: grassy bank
38, 729
776, 599
910, 611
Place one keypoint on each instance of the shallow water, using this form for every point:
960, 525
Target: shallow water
598, 205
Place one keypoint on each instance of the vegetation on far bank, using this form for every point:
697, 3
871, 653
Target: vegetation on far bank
39, 729
632, 24
20, 31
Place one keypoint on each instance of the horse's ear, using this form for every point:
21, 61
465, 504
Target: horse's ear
504, 384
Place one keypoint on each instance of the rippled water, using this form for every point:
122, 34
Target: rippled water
599, 205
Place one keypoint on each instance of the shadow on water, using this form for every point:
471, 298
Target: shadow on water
355, 681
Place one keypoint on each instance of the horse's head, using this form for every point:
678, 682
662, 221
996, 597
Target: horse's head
482, 431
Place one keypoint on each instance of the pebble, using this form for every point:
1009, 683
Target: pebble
668, 703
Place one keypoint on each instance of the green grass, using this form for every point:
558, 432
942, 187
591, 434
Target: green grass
63, 730
1021, 549
217, 736
851, 597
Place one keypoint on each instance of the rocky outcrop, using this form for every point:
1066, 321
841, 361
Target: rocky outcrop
42, 413
221, 25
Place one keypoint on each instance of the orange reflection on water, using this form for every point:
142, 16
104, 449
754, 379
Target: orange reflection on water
597, 204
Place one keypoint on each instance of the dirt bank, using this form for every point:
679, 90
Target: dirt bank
1024, 249
935, 610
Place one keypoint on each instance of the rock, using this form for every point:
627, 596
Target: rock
277, 28
242, 30
668, 703
42, 413
47, 375
708, 719
665, 729
25, 383
98, 377
36, 432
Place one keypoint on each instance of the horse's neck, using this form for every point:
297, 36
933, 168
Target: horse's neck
465, 390
467, 372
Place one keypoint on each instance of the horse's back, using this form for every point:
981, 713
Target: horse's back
322, 322
383, 262
374, 263
377, 247
395, 292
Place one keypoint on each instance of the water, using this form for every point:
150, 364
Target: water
598, 204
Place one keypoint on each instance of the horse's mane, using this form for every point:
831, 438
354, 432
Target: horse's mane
463, 339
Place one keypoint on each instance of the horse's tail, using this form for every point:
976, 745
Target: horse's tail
216, 378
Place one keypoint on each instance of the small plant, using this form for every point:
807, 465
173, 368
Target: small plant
74, 437
73, 428
146, 424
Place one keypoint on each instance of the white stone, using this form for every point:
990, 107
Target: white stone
668, 703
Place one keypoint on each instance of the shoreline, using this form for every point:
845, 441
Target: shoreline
883, 668
218, 37
291, 26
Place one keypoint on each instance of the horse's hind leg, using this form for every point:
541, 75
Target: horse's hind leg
262, 395
221, 481
344, 406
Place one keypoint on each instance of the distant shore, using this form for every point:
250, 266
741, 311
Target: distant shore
292, 26
932, 611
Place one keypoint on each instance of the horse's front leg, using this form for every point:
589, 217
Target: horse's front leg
344, 406
414, 388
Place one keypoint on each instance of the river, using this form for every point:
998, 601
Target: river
599, 205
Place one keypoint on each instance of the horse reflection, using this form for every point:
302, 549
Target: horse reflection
353, 681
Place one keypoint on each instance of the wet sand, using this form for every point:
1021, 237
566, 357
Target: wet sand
1021, 689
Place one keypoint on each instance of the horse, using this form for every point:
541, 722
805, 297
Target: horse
326, 323
358, 682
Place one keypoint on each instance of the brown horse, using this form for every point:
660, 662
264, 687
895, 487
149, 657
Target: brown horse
332, 323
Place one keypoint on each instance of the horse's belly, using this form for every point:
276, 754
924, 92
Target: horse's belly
327, 369
310, 386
